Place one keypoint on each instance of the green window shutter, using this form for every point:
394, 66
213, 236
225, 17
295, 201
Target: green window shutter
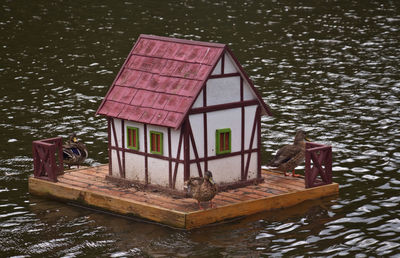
223, 141
132, 138
156, 142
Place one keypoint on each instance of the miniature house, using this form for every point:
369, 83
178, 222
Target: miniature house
178, 108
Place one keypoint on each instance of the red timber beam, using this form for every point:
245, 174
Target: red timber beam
216, 76
149, 155
186, 150
258, 115
146, 159
226, 155
178, 155
219, 107
253, 133
196, 154
320, 157
169, 159
123, 175
46, 164
109, 146
205, 129
243, 128
117, 149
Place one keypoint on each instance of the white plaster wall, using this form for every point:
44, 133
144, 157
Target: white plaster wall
248, 93
229, 66
199, 100
179, 184
194, 171
217, 69
197, 124
117, 124
226, 170
114, 164
229, 118
223, 90
250, 112
158, 172
253, 165
175, 135
134, 167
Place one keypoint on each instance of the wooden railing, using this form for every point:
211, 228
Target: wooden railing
48, 158
318, 156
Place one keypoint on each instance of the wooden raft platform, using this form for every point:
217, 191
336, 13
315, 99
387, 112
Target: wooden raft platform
88, 186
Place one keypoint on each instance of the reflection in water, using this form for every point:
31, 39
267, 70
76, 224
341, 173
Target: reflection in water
330, 69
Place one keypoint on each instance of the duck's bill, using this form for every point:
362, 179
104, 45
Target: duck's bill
307, 139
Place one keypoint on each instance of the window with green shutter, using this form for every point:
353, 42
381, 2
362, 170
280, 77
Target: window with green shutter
132, 138
156, 142
223, 141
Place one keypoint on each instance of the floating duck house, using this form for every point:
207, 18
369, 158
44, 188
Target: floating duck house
178, 108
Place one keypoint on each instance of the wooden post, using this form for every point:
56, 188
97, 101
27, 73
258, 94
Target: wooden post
186, 151
45, 165
321, 157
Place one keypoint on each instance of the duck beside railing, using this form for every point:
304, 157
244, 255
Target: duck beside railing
48, 158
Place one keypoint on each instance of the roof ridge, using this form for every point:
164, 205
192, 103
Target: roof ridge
181, 68
183, 41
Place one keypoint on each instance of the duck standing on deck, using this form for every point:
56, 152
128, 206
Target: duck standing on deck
203, 189
290, 156
74, 152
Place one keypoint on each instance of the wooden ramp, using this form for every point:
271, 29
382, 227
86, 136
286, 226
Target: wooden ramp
88, 186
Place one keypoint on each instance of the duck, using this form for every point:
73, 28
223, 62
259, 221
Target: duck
290, 156
203, 189
74, 152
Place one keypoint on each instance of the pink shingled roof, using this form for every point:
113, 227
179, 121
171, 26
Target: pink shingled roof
160, 80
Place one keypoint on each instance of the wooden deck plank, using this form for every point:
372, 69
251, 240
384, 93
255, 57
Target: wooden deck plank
281, 188
199, 218
89, 186
290, 181
80, 180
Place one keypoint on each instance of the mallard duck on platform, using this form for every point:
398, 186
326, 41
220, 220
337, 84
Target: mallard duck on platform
203, 189
74, 152
290, 156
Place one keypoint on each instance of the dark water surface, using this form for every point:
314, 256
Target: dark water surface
330, 67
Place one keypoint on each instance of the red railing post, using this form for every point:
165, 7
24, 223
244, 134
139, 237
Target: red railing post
45, 164
307, 168
320, 157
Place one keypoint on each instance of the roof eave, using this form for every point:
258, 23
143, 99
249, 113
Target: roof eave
117, 77
265, 107
201, 88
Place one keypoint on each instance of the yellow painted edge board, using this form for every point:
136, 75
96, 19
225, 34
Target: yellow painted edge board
200, 218
175, 218
112, 203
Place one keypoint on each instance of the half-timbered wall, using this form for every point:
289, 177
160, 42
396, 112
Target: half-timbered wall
225, 168
141, 165
227, 101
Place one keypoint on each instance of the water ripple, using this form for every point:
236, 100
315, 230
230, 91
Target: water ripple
330, 69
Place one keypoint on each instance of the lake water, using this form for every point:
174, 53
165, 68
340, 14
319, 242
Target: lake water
329, 67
